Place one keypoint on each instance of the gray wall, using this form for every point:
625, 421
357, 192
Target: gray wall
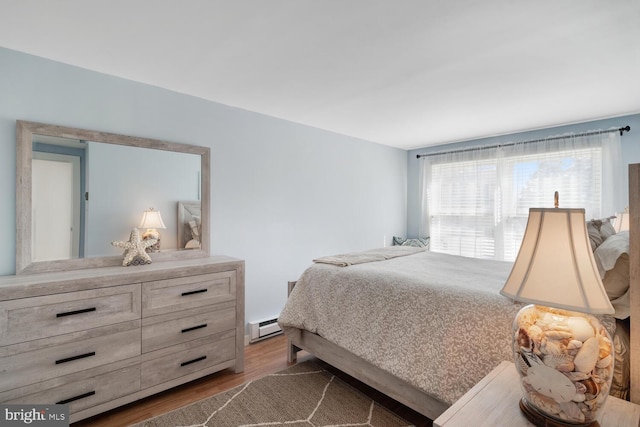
282, 193
630, 154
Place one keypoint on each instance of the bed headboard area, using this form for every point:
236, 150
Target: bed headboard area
634, 278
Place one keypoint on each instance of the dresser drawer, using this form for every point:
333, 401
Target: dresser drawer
165, 296
33, 318
89, 392
178, 364
175, 328
49, 362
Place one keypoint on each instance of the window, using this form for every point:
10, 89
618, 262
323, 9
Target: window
476, 202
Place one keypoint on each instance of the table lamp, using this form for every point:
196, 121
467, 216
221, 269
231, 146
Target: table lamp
152, 220
563, 354
621, 222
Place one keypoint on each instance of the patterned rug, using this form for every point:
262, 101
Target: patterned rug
302, 395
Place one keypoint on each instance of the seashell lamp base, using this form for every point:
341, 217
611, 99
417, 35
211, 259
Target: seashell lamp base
565, 362
538, 419
152, 233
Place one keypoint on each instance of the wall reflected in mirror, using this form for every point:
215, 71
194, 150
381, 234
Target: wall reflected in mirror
86, 194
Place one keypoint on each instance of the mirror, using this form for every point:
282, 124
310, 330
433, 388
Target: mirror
78, 190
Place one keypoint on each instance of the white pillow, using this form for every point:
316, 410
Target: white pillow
599, 230
612, 260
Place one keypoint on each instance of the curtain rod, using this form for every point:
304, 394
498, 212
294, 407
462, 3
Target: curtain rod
508, 144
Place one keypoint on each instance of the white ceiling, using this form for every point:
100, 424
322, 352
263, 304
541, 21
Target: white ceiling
405, 73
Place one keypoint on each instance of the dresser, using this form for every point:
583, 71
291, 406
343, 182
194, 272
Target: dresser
99, 338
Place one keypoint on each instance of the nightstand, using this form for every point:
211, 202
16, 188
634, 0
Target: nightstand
494, 402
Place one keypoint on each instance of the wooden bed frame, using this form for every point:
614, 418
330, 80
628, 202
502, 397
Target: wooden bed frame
427, 404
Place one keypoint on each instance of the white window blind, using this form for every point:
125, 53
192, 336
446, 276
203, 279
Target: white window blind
476, 202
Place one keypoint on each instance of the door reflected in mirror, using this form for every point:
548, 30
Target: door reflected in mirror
56, 207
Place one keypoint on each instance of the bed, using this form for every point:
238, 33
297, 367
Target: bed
429, 374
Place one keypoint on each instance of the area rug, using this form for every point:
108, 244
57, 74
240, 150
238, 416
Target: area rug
302, 395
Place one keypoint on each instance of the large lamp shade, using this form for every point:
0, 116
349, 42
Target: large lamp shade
621, 222
555, 266
151, 219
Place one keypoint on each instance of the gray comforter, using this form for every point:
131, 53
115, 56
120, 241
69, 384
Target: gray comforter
436, 321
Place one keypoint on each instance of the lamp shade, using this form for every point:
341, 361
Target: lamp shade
555, 266
622, 222
151, 219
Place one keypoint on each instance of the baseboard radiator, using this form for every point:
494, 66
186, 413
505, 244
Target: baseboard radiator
262, 329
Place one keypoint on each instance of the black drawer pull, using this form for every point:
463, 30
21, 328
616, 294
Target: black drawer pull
193, 328
80, 356
71, 313
199, 291
197, 359
71, 399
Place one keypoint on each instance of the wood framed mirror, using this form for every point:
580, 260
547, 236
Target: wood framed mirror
106, 181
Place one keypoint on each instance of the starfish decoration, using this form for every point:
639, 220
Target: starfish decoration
134, 249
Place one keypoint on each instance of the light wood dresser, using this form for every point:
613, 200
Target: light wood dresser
103, 337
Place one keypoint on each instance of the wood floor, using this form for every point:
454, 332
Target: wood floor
261, 359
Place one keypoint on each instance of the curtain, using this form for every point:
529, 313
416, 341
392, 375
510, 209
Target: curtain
476, 202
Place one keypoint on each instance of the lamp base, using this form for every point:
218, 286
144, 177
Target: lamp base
540, 420
565, 360
152, 233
